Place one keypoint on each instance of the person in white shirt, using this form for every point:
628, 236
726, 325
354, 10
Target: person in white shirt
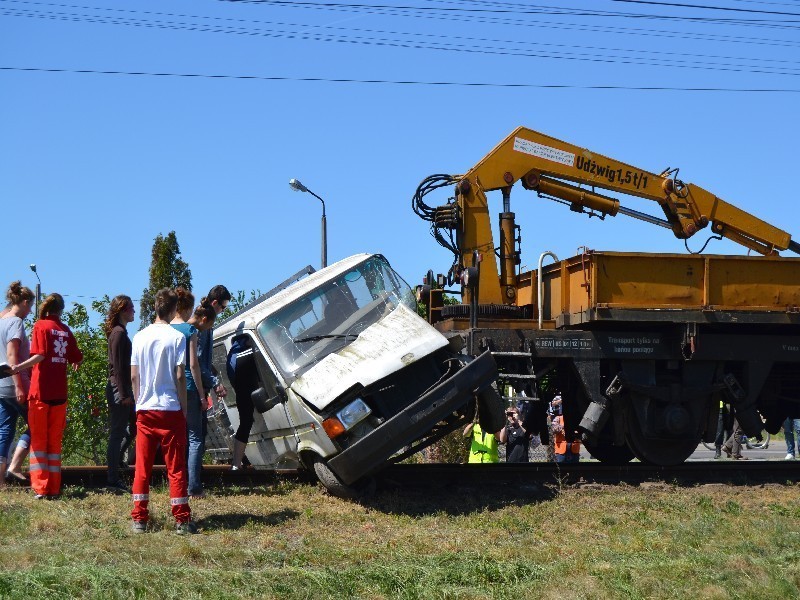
158, 377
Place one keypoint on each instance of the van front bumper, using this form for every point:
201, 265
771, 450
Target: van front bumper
373, 450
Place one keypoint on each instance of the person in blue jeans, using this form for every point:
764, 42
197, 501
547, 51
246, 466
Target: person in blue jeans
195, 394
14, 349
791, 430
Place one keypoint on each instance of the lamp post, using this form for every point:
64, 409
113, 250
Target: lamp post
38, 291
299, 187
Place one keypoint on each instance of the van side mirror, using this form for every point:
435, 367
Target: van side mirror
263, 402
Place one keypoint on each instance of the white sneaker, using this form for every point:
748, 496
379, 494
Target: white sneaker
789, 457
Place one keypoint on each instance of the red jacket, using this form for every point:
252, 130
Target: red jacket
52, 339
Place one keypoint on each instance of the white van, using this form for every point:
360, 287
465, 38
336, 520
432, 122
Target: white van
351, 378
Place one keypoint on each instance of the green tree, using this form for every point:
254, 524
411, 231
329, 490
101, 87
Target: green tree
238, 301
86, 435
167, 269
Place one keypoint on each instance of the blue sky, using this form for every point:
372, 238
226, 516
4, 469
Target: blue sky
93, 167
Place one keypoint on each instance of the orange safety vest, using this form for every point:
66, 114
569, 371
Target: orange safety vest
562, 446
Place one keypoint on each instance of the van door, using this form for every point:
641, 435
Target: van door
272, 442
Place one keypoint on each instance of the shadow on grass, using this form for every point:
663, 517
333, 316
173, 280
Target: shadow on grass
279, 487
239, 520
456, 500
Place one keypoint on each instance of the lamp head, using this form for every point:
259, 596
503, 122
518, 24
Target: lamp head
297, 186
33, 268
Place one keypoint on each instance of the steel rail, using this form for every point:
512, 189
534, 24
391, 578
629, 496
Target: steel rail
538, 473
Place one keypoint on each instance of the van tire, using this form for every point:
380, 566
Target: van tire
331, 482
491, 414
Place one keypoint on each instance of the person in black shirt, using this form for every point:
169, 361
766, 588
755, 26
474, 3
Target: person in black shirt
515, 437
243, 375
119, 392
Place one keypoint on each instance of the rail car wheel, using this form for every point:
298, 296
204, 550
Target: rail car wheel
665, 452
609, 454
335, 486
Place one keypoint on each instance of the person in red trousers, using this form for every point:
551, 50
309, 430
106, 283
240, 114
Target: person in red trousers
158, 362
52, 347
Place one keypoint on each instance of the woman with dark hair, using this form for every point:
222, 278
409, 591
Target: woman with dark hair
243, 375
119, 393
218, 298
14, 349
195, 394
52, 347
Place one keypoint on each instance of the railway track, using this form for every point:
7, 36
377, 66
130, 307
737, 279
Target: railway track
447, 475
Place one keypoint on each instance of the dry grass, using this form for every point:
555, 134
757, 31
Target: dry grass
291, 540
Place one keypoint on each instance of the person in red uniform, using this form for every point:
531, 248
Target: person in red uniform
52, 347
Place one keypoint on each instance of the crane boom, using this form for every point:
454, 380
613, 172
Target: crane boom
551, 167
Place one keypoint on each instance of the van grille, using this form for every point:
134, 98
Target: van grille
404, 387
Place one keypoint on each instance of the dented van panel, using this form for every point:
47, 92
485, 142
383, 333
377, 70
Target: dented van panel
350, 376
392, 343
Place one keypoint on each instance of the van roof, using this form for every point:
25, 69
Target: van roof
256, 313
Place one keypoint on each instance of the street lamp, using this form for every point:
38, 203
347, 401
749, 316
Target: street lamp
299, 187
38, 291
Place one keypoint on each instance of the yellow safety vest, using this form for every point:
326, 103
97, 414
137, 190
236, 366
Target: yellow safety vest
484, 446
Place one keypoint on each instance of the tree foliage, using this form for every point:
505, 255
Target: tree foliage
238, 301
86, 435
167, 269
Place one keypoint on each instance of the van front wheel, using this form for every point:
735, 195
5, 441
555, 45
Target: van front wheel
335, 486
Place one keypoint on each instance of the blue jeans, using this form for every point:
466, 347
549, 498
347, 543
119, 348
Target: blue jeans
791, 430
10, 410
568, 458
196, 430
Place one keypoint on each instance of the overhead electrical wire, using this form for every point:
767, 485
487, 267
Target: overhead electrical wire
429, 45
406, 82
521, 10
706, 7
632, 31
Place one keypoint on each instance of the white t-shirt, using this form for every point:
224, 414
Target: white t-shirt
157, 350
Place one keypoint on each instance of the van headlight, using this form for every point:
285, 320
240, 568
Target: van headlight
347, 418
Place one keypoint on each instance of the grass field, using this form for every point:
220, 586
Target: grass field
291, 540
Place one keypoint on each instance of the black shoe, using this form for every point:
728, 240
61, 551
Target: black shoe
117, 486
13, 477
186, 528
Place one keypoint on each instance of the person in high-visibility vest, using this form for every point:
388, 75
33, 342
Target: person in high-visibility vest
566, 451
483, 448
52, 347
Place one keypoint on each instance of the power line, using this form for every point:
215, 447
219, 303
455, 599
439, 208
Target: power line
706, 7
442, 46
409, 82
470, 39
649, 32
522, 10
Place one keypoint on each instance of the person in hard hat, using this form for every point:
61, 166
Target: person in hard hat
483, 448
566, 448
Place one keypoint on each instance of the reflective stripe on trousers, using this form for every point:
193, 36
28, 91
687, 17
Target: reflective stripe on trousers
167, 429
47, 424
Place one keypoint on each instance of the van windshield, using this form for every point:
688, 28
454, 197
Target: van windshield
333, 315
